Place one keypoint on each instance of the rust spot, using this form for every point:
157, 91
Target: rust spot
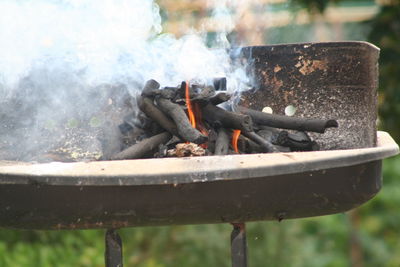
288, 96
91, 225
309, 66
276, 85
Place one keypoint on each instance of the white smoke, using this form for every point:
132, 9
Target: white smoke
103, 40
54, 53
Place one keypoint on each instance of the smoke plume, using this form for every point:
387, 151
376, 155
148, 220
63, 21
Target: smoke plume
59, 59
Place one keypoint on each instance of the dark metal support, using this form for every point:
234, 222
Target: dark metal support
239, 245
113, 254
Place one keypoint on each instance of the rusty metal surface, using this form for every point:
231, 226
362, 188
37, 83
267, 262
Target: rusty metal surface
113, 245
294, 189
335, 80
265, 198
239, 245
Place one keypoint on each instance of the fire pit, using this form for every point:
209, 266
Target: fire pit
326, 80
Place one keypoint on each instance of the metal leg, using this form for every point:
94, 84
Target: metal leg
113, 254
239, 245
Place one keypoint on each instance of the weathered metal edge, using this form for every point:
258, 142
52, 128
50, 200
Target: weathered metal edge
192, 170
324, 44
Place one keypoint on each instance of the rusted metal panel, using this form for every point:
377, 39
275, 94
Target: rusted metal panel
265, 198
333, 80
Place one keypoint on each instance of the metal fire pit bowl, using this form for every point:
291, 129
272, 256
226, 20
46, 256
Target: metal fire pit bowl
328, 80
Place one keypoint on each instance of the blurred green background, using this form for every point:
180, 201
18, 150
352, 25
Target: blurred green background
368, 236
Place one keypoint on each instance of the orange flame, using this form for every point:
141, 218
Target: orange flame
199, 123
194, 114
235, 138
189, 106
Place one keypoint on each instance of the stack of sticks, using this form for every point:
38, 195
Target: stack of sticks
187, 120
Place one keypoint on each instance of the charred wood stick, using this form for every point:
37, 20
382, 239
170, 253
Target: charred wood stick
266, 145
185, 129
220, 84
253, 147
222, 142
220, 117
166, 92
147, 106
150, 88
204, 94
143, 148
219, 98
286, 122
212, 140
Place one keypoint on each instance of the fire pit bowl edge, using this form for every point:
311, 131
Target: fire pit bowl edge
235, 188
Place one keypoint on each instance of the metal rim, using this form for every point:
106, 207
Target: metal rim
190, 170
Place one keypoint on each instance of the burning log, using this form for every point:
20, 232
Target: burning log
147, 106
143, 148
222, 142
185, 129
285, 122
220, 117
266, 145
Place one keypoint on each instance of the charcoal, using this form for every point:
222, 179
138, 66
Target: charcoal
222, 142
150, 88
219, 98
266, 145
185, 129
220, 84
125, 128
212, 139
147, 106
162, 151
298, 141
144, 148
217, 116
286, 122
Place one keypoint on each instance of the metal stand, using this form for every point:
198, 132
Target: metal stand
239, 245
113, 254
